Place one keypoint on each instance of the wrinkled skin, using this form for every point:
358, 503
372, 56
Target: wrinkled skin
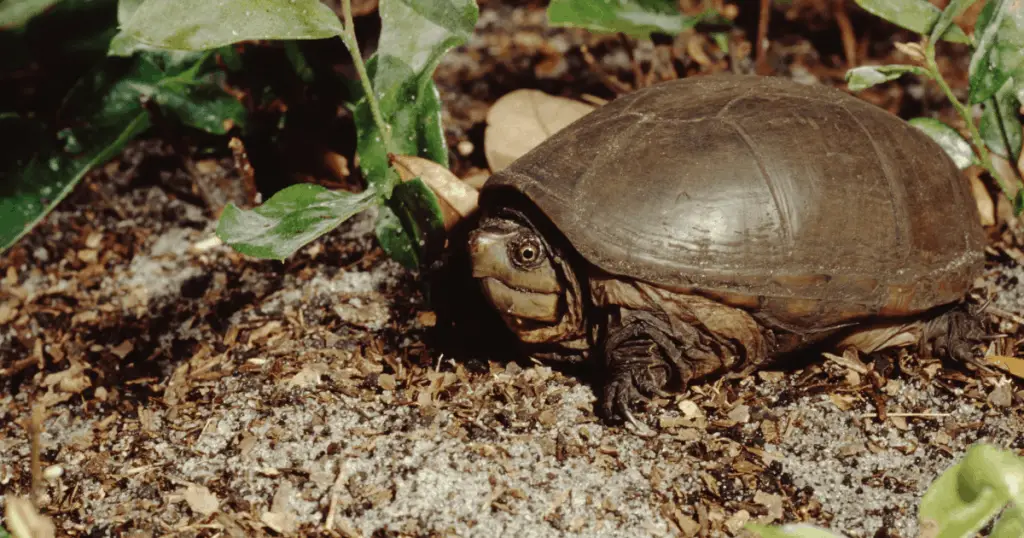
647, 349
535, 291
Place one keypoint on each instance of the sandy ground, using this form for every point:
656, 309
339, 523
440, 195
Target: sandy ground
193, 392
317, 396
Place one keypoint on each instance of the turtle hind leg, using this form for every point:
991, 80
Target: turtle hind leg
952, 333
955, 334
644, 355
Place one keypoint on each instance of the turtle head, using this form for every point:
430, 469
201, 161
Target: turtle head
527, 281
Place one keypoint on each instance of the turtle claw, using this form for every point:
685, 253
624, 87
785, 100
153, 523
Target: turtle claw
661, 393
639, 428
620, 395
641, 359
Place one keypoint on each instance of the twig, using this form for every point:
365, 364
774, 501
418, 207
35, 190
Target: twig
907, 415
35, 427
244, 167
193, 171
965, 113
20, 365
332, 509
764, 18
349, 38
846, 31
1000, 313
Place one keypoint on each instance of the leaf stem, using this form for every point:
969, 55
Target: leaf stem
965, 113
349, 38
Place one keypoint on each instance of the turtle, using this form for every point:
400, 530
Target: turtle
706, 226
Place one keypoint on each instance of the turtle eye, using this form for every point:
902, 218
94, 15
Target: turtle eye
527, 254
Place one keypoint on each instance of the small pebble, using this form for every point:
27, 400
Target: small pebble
53, 472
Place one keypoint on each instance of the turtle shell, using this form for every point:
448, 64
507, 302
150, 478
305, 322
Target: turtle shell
801, 200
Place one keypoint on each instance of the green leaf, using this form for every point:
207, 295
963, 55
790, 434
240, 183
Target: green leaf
791, 531
37, 183
722, 40
206, 24
415, 130
1000, 124
866, 76
1010, 524
949, 139
915, 15
411, 226
971, 492
952, 11
1018, 202
638, 18
103, 112
956, 509
414, 37
297, 59
394, 239
122, 44
185, 85
289, 219
1000, 48
15, 13
989, 467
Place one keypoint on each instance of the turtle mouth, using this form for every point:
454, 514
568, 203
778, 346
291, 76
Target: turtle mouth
516, 305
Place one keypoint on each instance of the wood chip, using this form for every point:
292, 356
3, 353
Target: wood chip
1013, 365
123, 349
689, 409
771, 501
93, 240
386, 382
740, 414
842, 401
426, 318
8, 311
88, 255
770, 431
281, 517
1001, 396
200, 499
737, 521
668, 423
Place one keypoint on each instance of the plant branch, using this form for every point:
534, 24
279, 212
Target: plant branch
349, 38
1004, 135
965, 113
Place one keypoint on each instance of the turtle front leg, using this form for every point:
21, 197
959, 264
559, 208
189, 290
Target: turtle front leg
645, 354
